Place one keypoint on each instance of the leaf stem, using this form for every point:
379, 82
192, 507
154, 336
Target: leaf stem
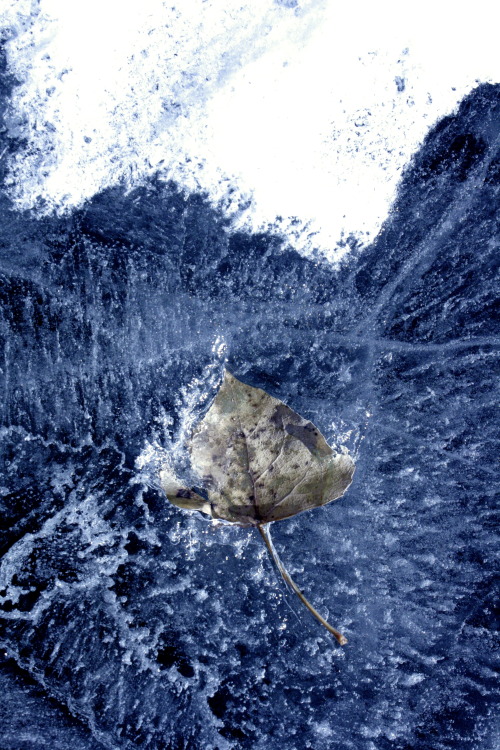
267, 540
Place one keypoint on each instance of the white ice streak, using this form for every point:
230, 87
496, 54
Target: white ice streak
312, 109
168, 452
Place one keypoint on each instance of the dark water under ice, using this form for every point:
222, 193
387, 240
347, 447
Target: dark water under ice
128, 623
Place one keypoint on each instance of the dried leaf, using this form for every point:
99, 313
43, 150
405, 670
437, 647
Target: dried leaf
259, 462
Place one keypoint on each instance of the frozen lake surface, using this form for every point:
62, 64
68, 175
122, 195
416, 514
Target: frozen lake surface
128, 623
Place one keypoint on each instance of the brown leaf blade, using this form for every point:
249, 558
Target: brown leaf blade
260, 461
180, 495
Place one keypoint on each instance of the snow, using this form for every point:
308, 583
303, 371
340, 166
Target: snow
304, 111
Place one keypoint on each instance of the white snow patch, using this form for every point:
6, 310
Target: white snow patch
312, 110
414, 679
322, 729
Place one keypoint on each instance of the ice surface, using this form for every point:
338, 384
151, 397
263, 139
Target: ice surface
30, 719
159, 629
